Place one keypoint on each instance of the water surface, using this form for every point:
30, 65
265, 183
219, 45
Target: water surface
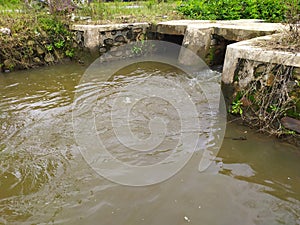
45, 180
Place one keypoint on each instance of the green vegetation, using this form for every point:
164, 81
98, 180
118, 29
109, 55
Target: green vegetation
236, 107
5, 4
36, 39
269, 10
137, 11
39, 35
108, 12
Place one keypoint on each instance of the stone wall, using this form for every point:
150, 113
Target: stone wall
267, 96
107, 36
105, 40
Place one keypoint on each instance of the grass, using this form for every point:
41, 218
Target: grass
107, 12
122, 12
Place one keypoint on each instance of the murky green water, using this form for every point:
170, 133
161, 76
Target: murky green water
45, 180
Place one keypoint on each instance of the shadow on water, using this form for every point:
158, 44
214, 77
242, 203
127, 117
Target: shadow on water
45, 180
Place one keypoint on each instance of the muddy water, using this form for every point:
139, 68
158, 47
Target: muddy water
44, 179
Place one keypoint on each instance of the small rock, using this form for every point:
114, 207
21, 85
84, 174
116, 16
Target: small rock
8, 63
140, 37
81, 62
108, 41
36, 60
120, 38
102, 49
30, 42
5, 30
113, 49
260, 69
291, 124
137, 30
118, 43
49, 58
187, 219
39, 50
117, 53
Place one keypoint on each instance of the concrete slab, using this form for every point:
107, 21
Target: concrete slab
198, 33
235, 30
249, 50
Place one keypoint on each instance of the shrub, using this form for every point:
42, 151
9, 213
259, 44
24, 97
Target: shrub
269, 10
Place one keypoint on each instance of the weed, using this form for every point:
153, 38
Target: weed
236, 107
49, 47
70, 53
59, 44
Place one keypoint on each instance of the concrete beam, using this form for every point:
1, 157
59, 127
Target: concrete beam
196, 40
249, 50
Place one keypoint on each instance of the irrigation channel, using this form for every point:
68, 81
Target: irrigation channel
47, 177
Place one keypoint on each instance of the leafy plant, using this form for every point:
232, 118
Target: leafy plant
59, 44
288, 132
49, 47
138, 47
274, 108
70, 53
236, 107
136, 50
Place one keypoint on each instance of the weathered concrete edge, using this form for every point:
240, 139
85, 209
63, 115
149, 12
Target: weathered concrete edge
248, 50
107, 27
199, 33
91, 33
246, 29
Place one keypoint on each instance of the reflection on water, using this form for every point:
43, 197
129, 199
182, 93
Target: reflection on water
44, 179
